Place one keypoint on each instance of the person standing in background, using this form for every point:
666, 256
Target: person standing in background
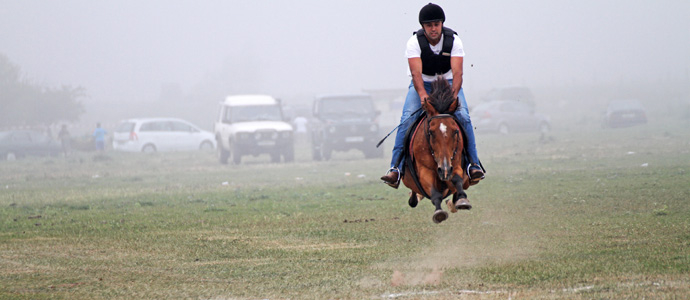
99, 137
65, 140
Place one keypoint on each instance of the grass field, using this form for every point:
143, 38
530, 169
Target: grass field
575, 215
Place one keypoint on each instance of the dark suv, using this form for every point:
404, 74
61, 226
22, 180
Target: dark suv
344, 122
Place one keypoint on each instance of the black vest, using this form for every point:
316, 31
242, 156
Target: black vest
433, 64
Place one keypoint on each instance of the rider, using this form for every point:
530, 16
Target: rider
433, 50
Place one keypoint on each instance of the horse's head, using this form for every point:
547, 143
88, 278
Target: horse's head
443, 132
443, 135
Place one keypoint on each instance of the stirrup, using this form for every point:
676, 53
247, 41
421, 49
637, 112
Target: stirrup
397, 182
469, 174
396, 170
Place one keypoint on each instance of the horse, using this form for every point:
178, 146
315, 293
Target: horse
434, 155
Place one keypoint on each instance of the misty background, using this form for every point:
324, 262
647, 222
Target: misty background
180, 58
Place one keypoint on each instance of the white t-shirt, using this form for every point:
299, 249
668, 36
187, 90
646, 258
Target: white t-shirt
414, 50
300, 124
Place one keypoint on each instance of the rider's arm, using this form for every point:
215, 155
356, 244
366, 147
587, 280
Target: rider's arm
416, 71
456, 67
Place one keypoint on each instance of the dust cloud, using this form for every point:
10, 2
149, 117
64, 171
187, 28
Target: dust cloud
462, 243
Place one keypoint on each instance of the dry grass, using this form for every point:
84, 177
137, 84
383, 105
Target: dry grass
576, 216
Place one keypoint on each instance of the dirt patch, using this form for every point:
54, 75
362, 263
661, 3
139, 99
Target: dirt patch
464, 241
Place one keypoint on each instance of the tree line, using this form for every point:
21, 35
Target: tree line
27, 104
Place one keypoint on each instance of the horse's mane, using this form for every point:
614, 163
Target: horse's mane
441, 96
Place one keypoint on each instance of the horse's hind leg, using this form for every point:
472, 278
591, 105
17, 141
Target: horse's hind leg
460, 197
414, 199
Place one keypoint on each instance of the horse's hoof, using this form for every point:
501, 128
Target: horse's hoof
451, 207
413, 200
463, 204
439, 216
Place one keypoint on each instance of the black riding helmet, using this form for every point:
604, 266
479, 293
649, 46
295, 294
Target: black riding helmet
431, 13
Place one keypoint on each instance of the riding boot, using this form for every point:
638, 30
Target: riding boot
476, 173
392, 178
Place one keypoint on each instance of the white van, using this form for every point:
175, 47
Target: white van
253, 125
161, 134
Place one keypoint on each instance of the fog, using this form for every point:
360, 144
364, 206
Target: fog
134, 57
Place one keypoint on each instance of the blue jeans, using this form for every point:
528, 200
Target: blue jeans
412, 103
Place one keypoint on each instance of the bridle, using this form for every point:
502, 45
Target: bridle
428, 134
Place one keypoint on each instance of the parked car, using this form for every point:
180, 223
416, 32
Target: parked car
16, 144
510, 93
161, 134
507, 117
253, 125
623, 113
344, 122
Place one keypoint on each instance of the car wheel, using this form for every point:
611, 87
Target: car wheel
236, 155
149, 148
289, 154
206, 146
275, 157
326, 152
11, 156
315, 150
503, 128
223, 154
315, 154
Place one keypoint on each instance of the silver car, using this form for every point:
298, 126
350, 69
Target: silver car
161, 134
508, 117
15, 144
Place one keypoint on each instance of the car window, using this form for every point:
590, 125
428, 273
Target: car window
155, 126
346, 105
625, 105
39, 137
179, 126
21, 136
254, 113
521, 108
226, 114
125, 127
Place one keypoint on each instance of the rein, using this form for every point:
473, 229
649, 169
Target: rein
428, 134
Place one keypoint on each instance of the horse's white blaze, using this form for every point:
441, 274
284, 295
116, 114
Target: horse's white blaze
443, 129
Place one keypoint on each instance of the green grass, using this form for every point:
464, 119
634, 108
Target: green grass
573, 216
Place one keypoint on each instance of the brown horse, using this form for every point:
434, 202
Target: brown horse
436, 147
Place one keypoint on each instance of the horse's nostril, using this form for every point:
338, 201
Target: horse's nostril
444, 174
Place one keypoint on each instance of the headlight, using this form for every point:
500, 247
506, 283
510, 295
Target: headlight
243, 135
257, 136
286, 134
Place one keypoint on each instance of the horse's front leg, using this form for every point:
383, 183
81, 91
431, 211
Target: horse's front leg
437, 198
459, 197
428, 181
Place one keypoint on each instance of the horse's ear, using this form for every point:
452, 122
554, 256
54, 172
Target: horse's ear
454, 105
428, 107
